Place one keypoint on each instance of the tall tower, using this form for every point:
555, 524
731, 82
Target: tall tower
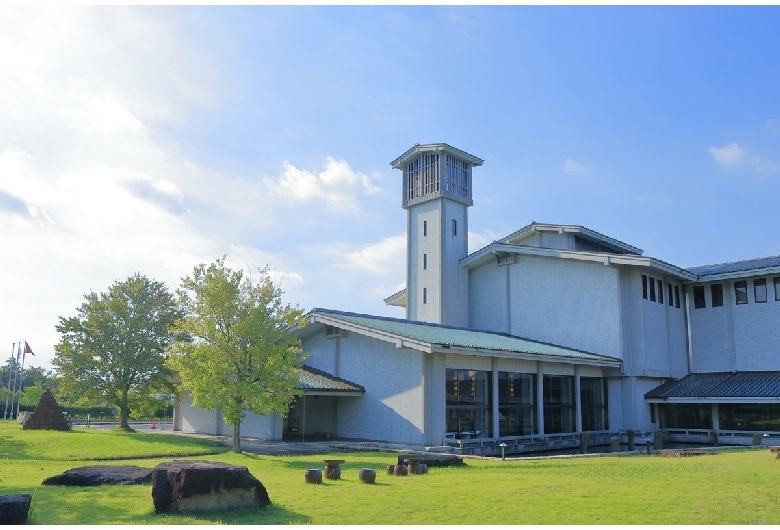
436, 193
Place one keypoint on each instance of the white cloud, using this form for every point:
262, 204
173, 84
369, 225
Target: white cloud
382, 259
729, 155
732, 155
337, 185
478, 241
570, 167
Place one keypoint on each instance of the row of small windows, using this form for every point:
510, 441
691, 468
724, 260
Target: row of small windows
454, 228
649, 291
740, 293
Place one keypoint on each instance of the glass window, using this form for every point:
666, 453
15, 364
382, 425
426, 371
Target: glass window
558, 391
593, 402
759, 290
698, 297
750, 416
777, 288
716, 290
516, 404
669, 293
425, 295
425, 261
652, 289
469, 403
695, 416
740, 291
677, 296
660, 292
425, 228
454, 227
644, 287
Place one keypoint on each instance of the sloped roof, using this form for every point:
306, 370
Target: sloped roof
577, 229
313, 379
442, 336
736, 266
737, 385
439, 147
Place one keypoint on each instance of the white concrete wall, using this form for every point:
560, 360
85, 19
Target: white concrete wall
417, 245
194, 419
743, 337
487, 298
556, 240
454, 248
204, 421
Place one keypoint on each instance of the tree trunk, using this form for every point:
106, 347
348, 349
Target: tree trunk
124, 411
237, 438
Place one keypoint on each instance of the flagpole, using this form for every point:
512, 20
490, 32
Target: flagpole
16, 378
10, 366
21, 381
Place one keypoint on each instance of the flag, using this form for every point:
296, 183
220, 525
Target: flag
18, 352
27, 349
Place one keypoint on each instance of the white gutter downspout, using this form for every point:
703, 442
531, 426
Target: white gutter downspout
689, 340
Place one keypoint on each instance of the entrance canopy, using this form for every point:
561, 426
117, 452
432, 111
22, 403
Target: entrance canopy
314, 382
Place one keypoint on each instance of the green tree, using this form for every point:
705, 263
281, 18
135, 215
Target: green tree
239, 353
115, 345
32, 394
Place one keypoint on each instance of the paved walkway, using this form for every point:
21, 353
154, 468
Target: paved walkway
260, 446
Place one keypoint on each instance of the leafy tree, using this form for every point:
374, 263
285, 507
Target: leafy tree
240, 354
115, 345
31, 395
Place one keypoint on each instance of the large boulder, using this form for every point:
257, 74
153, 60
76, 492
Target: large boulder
14, 508
98, 475
194, 485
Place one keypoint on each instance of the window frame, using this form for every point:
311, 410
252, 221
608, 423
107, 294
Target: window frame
776, 282
717, 301
660, 291
756, 283
740, 287
699, 299
644, 286
651, 283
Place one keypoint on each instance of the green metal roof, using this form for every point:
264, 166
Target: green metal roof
437, 334
313, 379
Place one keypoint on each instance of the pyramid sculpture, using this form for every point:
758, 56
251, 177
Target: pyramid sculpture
47, 415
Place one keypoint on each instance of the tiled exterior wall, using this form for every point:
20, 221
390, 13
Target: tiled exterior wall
392, 407
566, 302
744, 337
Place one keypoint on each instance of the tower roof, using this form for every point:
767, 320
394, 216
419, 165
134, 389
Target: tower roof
399, 162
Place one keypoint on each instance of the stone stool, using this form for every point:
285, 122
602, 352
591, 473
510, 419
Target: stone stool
313, 476
367, 475
401, 471
333, 469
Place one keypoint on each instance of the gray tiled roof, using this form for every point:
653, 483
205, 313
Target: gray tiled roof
736, 266
313, 379
461, 337
720, 385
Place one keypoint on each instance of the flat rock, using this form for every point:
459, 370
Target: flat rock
98, 475
14, 508
196, 485
433, 460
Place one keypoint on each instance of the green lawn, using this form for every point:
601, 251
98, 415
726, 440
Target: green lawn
730, 487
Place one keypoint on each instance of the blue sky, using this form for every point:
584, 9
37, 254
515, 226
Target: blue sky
152, 139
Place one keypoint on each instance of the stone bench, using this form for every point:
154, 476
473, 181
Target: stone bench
14, 509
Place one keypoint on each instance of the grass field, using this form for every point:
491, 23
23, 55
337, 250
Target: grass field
730, 487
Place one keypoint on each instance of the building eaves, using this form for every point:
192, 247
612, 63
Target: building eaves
458, 340
720, 385
498, 247
576, 229
736, 267
424, 148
